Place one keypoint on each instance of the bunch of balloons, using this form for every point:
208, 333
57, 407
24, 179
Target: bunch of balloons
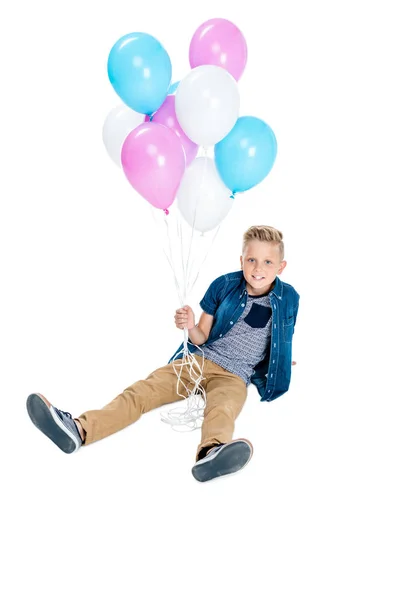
156, 133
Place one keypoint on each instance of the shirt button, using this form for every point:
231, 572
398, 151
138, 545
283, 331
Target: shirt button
220, 335
231, 322
242, 304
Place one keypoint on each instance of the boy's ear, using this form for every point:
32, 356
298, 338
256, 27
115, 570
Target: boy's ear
283, 265
241, 262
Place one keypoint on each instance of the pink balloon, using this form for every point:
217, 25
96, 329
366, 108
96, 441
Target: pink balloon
166, 115
219, 42
153, 161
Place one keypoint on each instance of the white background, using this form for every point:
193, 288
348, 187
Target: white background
87, 304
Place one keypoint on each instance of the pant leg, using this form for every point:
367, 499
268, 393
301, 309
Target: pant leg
158, 389
226, 394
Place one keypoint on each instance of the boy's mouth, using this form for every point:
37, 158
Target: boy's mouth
257, 277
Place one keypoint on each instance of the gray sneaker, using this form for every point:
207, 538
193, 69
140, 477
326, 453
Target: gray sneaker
58, 425
223, 460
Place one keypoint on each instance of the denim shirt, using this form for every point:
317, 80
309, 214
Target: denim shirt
226, 298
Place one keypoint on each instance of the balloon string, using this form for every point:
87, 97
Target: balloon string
192, 416
183, 296
170, 261
204, 259
205, 167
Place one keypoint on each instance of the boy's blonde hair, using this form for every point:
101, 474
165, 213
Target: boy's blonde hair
264, 233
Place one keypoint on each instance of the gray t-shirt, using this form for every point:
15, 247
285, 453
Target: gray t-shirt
246, 343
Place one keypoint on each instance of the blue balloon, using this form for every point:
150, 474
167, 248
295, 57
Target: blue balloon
140, 70
246, 155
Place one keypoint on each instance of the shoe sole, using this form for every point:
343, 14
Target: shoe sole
44, 417
231, 458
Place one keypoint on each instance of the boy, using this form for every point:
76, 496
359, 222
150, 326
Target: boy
245, 332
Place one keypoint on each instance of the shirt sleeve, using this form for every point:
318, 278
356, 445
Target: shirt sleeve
296, 309
213, 296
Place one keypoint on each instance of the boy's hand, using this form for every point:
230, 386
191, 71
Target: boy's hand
294, 362
184, 317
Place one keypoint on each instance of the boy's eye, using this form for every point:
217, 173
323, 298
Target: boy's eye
252, 259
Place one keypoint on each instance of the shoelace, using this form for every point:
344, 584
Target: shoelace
61, 412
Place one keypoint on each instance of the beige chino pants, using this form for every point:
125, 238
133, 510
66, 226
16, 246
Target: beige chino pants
226, 394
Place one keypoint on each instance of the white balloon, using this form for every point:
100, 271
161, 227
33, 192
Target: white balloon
203, 199
119, 122
207, 104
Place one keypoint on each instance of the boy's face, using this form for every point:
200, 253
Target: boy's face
261, 264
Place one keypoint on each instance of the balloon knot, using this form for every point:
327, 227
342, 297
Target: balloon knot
233, 195
166, 211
